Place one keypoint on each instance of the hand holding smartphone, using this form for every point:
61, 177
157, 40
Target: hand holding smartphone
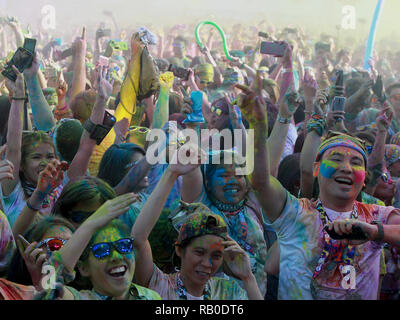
273, 48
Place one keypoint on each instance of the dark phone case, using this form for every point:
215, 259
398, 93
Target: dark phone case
22, 59
356, 234
30, 44
178, 72
272, 48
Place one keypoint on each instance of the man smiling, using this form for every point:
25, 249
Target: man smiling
313, 265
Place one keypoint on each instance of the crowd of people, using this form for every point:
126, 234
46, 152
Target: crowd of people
85, 214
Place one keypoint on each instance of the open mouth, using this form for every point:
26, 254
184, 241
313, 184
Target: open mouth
232, 188
203, 274
345, 181
118, 271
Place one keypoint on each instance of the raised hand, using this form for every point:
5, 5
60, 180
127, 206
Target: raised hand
34, 68
34, 259
251, 103
104, 86
384, 119
309, 86
236, 259
110, 210
52, 176
62, 86
6, 167
187, 158
80, 44
18, 87
289, 104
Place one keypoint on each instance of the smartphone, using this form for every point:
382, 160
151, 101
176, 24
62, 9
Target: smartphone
22, 59
109, 120
101, 33
103, 61
356, 234
179, 72
30, 44
273, 48
66, 53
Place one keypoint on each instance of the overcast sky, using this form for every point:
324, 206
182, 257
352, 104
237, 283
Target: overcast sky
323, 15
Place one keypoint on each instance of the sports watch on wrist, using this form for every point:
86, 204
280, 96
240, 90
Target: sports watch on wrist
97, 131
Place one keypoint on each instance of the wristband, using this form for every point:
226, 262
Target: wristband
284, 120
18, 99
381, 232
316, 123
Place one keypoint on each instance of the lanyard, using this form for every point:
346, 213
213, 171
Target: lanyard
344, 255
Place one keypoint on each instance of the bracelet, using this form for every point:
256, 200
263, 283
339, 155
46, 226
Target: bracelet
284, 120
30, 206
381, 232
316, 123
18, 99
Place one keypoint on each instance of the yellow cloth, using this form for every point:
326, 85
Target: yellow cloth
125, 109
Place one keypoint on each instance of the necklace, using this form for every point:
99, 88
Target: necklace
225, 207
182, 292
344, 255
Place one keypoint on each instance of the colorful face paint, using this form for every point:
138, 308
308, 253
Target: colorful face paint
328, 168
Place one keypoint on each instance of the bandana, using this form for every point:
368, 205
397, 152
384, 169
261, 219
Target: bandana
392, 154
202, 222
342, 140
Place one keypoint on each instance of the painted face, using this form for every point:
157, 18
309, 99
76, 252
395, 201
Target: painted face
113, 274
83, 210
144, 183
341, 173
52, 99
219, 117
385, 188
36, 161
226, 186
200, 260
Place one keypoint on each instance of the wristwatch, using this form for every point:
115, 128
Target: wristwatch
381, 232
97, 131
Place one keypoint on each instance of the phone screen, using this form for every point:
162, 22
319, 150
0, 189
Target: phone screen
30, 44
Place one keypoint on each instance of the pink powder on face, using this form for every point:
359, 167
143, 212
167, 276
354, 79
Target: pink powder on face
359, 175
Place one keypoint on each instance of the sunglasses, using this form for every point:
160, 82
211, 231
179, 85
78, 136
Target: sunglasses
130, 165
104, 249
217, 111
395, 97
52, 244
79, 216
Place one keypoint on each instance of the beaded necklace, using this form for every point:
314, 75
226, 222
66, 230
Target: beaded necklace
344, 254
182, 292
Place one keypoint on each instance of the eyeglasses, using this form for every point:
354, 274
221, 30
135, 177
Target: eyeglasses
52, 244
79, 216
395, 97
139, 129
104, 249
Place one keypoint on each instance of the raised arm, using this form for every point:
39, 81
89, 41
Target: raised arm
161, 113
377, 156
79, 68
151, 212
43, 118
277, 139
266, 187
81, 160
14, 133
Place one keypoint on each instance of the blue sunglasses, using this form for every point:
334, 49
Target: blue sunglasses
104, 249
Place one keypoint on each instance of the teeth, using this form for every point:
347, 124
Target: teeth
344, 180
117, 270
